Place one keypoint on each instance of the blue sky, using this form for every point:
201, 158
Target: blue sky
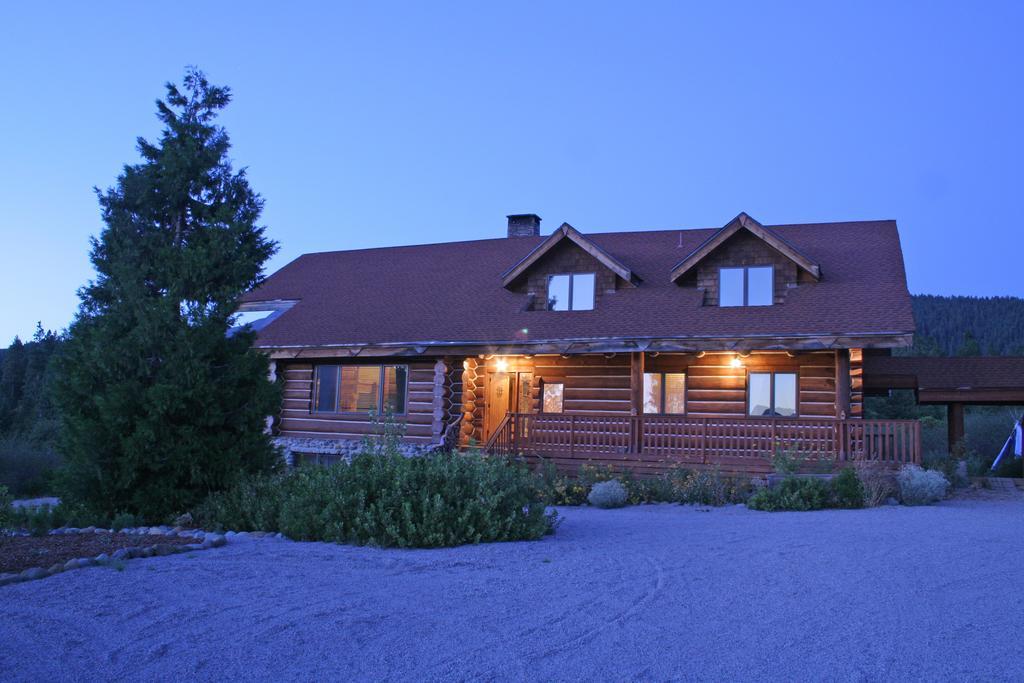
380, 123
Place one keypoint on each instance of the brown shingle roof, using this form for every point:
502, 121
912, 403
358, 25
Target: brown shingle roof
948, 374
453, 293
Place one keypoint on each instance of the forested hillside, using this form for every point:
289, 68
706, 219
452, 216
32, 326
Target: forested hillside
28, 421
968, 326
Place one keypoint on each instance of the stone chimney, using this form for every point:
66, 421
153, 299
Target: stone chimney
523, 225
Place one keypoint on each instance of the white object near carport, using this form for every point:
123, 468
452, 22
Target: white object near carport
1015, 440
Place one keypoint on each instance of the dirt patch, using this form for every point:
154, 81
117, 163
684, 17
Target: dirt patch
18, 553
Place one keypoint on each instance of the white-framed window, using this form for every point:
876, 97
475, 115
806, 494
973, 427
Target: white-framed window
746, 286
665, 393
772, 394
571, 292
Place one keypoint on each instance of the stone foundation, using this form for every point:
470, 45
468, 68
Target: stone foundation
327, 451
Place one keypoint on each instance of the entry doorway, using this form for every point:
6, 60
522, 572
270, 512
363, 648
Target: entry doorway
507, 392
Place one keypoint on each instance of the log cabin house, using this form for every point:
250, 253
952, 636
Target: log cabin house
640, 350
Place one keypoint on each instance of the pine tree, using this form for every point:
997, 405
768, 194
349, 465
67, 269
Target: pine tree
970, 346
159, 406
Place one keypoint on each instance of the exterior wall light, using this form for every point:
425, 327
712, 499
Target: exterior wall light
501, 364
736, 362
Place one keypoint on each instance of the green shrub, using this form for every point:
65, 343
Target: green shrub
6, 511
701, 488
661, 489
794, 493
560, 489
848, 489
253, 503
390, 500
786, 460
608, 494
124, 520
921, 487
678, 485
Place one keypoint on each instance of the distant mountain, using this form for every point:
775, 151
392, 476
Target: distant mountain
968, 326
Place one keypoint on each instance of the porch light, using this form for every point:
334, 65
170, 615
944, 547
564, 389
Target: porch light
736, 362
501, 364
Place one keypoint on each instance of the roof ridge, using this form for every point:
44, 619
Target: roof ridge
588, 234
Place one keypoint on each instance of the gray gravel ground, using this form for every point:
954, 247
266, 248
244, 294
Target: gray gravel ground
643, 593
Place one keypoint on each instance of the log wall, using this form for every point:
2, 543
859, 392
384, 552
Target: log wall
593, 384
714, 388
297, 420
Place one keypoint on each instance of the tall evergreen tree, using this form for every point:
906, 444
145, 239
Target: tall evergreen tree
159, 406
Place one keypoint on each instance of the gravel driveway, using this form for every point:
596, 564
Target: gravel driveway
644, 593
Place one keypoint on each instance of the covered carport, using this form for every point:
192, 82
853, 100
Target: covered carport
952, 382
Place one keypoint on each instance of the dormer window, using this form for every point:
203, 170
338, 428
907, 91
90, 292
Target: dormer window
747, 286
571, 292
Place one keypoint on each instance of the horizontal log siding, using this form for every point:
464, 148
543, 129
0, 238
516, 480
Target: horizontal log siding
595, 384
716, 389
297, 420
592, 384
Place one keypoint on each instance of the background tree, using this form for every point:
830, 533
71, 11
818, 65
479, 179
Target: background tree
159, 406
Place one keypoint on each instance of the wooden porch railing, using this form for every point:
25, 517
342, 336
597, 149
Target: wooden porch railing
733, 443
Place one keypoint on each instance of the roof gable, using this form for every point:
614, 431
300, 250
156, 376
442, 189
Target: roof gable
567, 232
743, 222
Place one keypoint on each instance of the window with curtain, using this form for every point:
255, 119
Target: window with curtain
665, 393
360, 389
772, 394
553, 395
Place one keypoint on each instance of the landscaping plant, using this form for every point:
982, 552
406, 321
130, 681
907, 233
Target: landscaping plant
607, 494
6, 511
878, 482
921, 487
388, 500
793, 493
159, 404
679, 485
848, 490
40, 520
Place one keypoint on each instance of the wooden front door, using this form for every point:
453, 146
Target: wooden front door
498, 401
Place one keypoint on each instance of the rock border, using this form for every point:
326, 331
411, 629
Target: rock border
206, 540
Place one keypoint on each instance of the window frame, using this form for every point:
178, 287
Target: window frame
561, 403
664, 388
746, 285
572, 278
771, 394
379, 408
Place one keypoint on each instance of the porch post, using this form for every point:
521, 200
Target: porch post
842, 383
636, 398
437, 423
268, 422
955, 424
